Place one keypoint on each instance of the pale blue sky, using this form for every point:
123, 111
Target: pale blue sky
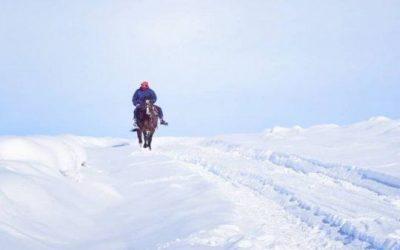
218, 66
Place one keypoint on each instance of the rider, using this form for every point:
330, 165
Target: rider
139, 98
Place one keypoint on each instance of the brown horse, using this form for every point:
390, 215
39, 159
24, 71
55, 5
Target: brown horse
147, 122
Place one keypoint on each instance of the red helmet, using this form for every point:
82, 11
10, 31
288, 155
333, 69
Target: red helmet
144, 84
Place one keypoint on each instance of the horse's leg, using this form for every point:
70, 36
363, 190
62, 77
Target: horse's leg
150, 138
139, 134
146, 139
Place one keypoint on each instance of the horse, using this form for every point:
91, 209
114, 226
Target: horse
147, 121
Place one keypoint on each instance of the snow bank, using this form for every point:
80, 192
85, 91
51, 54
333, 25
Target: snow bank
281, 132
45, 197
53, 155
373, 126
371, 144
63, 155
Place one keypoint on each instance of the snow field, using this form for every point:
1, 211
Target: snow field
324, 187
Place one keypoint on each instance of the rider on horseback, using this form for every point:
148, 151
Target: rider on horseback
139, 98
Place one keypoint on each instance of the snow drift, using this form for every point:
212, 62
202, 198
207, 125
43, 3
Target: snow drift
43, 154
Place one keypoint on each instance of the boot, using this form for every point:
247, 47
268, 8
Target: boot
162, 122
135, 125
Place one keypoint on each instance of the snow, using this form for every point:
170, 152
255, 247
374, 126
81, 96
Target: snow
323, 187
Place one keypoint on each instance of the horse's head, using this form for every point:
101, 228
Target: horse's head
148, 111
149, 107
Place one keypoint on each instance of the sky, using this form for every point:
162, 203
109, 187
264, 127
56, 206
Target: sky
217, 66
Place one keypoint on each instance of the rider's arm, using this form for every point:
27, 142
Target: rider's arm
135, 98
153, 96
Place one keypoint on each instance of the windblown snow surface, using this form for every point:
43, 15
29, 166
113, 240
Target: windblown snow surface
324, 187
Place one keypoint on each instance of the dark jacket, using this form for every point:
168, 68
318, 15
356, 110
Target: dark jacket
141, 95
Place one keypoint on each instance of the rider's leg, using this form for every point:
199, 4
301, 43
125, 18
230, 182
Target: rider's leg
161, 115
135, 117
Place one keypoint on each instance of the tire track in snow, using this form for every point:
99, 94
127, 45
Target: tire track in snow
309, 209
263, 224
379, 183
382, 189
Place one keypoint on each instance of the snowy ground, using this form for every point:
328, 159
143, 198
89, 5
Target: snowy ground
324, 187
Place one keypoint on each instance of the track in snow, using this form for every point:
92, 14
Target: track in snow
241, 218
349, 204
